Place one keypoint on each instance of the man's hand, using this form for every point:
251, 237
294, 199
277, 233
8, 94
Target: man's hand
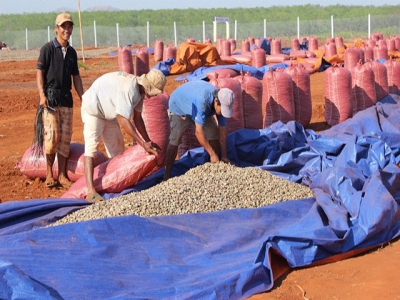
151, 147
225, 160
214, 158
43, 101
155, 146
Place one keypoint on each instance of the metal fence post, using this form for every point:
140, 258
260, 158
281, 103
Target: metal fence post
298, 28
117, 35
148, 34
265, 28
176, 39
214, 31
204, 32
369, 26
235, 30
95, 34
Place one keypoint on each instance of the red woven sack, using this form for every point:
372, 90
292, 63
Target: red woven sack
277, 97
352, 55
337, 89
245, 46
142, 62
169, 52
117, 174
222, 73
36, 168
258, 57
301, 93
381, 50
125, 62
312, 43
381, 79
226, 48
330, 49
363, 94
252, 101
276, 46
156, 120
276, 58
295, 44
393, 71
158, 50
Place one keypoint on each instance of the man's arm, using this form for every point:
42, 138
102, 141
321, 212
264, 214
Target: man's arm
139, 123
128, 127
78, 85
40, 85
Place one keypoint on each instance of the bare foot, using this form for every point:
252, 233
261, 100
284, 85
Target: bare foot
65, 182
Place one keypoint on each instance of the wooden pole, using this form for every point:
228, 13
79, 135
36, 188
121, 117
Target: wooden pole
80, 30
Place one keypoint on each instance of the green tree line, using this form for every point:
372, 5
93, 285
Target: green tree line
166, 17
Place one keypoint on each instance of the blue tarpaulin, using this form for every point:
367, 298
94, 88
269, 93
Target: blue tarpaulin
231, 254
201, 73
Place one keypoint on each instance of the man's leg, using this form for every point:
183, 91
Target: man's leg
50, 137
64, 143
50, 181
92, 131
178, 127
172, 151
92, 196
112, 138
88, 163
62, 171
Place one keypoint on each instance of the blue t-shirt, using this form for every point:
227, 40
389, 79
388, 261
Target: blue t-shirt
194, 100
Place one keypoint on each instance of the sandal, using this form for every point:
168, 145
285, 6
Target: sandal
50, 183
94, 198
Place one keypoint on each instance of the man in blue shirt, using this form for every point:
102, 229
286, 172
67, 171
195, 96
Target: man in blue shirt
197, 102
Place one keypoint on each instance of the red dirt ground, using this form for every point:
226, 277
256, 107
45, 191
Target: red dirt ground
372, 275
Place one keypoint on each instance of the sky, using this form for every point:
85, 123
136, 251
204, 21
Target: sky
47, 6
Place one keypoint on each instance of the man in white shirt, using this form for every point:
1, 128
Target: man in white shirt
110, 103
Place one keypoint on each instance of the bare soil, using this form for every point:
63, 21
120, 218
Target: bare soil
372, 275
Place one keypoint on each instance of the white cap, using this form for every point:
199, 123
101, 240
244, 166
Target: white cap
226, 97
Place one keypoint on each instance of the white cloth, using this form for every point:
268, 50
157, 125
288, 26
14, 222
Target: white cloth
112, 94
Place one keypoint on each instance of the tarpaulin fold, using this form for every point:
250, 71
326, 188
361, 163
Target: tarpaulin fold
231, 254
191, 55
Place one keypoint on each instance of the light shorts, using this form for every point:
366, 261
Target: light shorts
179, 126
57, 126
96, 129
